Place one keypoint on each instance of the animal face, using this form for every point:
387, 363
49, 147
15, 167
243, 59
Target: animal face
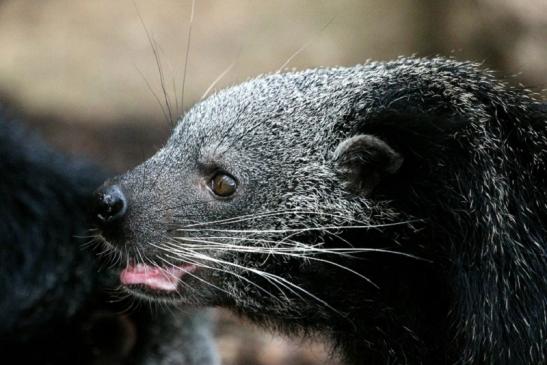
250, 196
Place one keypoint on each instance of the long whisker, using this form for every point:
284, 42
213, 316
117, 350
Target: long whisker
259, 287
190, 274
139, 255
255, 271
153, 45
290, 248
188, 42
305, 45
287, 230
252, 216
191, 252
185, 257
217, 80
114, 256
266, 275
286, 254
151, 89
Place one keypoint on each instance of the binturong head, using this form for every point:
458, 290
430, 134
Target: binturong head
254, 186
325, 199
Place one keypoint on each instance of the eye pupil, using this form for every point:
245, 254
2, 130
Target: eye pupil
223, 185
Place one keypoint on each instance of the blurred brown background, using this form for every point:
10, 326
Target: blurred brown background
81, 73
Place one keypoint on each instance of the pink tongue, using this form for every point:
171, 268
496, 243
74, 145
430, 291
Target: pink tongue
154, 277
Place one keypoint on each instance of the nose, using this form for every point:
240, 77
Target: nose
110, 204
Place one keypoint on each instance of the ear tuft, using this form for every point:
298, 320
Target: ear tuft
364, 160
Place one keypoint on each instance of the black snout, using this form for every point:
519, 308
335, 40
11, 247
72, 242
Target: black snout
110, 204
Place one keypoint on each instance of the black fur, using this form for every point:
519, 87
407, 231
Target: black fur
55, 305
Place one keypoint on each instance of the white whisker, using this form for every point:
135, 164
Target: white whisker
299, 230
248, 249
266, 275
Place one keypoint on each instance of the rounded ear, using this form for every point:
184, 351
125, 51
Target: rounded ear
363, 161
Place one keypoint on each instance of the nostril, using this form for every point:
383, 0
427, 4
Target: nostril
110, 204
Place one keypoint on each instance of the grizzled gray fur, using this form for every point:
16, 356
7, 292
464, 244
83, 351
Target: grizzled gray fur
397, 208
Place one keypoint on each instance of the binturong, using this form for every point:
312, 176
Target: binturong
397, 209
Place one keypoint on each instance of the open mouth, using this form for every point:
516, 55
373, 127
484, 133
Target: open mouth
163, 279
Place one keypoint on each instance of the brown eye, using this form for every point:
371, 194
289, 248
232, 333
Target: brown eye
223, 185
